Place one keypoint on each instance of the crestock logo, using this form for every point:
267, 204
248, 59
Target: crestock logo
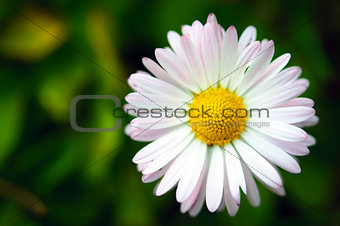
192, 112
119, 113
73, 113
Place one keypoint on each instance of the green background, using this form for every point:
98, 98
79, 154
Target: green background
52, 51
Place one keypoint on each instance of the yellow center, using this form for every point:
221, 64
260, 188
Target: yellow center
217, 116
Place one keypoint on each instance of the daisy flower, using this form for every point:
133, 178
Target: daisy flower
235, 115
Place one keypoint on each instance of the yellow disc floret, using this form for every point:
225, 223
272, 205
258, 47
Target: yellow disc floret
217, 116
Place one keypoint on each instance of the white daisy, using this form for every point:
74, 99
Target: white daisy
211, 158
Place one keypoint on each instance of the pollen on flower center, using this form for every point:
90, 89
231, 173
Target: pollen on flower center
217, 116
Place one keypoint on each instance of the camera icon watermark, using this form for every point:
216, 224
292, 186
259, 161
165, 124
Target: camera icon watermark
73, 113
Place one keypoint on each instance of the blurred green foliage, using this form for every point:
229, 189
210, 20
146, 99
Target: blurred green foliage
52, 51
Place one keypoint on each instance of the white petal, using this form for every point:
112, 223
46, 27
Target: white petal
284, 78
247, 37
300, 101
148, 135
210, 53
174, 41
196, 35
258, 165
257, 66
235, 173
293, 148
158, 145
190, 201
291, 114
186, 30
288, 75
275, 67
156, 86
150, 101
213, 21
279, 191
281, 130
274, 97
229, 201
159, 72
215, 179
148, 178
175, 68
193, 59
169, 152
246, 58
221, 206
197, 206
174, 173
312, 121
270, 151
310, 140
253, 192
157, 123
228, 54
194, 167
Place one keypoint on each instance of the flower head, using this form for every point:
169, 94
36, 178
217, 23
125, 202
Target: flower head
220, 111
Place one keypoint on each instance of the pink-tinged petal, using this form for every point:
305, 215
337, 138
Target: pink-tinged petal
246, 57
258, 64
258, 165
274, 97
175, 171
186, 30
174, 40
194, 167
312, 121
159, 72
235, 172
213, 21
284, 78
129, 129
229, 201
281, 130
130, 109
151, 85
197, 206
174, 66
156, 123
221, 206
301, 101
288, 75
310, 141
194, 62
211, 54
270, 151
141, 166
247, 37
291, 114
149, 152
155, 101
215, 178
293, 148
190, 201
228, 54
253, 192
196, 35
148, 135
148, 178
264, 42
275, 67
169, 152
279, 191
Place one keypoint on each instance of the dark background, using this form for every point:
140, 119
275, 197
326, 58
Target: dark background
52, 51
